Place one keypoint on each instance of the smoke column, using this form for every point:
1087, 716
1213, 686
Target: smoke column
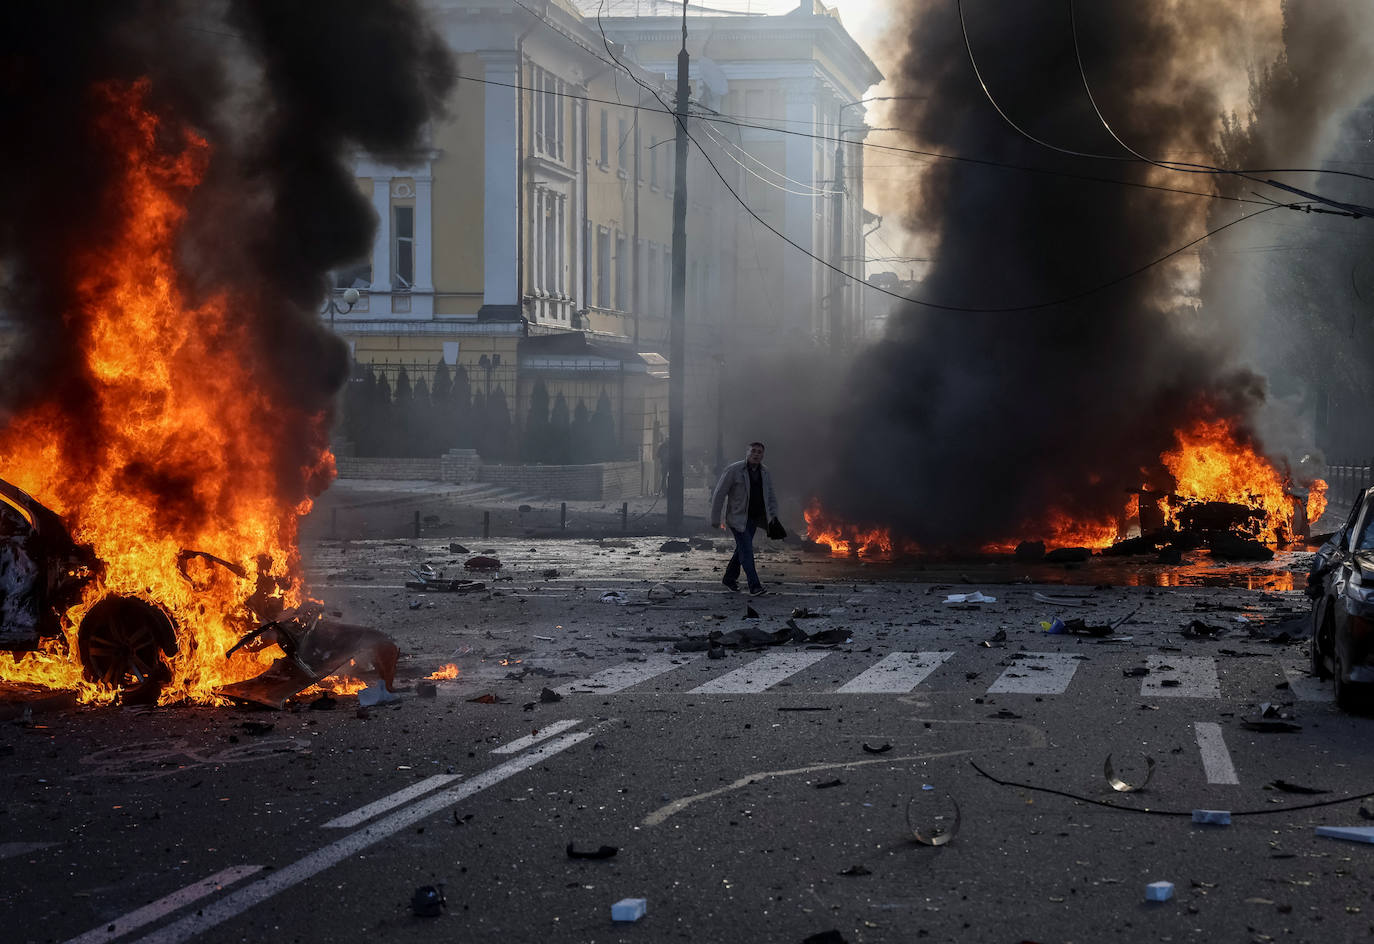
282, 92
962, 427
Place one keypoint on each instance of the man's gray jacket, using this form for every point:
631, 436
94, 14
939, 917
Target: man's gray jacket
732, 494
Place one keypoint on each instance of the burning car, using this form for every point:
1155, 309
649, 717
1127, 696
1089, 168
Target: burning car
1341, 585
121, 641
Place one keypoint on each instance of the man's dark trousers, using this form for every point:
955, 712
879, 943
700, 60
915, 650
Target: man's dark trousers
743, 557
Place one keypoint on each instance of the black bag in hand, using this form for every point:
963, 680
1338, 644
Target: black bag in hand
775, 530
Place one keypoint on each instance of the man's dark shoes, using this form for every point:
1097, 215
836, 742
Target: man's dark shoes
757, 591
734, 587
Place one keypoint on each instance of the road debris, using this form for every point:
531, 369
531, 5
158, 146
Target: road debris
376, 695
1284, 786
430, 580
1159, 891
855, 870
428, 901
1212, 817
482, 562
976, 596
939, 830
1121, 786
603, 852
629, 909
1352, 833
1060, 600
877, 750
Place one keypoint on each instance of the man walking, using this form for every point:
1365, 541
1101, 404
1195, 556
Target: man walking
745, 493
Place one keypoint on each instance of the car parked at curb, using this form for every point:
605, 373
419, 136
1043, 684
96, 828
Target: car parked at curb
1341, 585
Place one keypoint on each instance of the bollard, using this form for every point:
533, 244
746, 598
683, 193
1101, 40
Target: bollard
563, 517
417, 524
624, 516
486, 524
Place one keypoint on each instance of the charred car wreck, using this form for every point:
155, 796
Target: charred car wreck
124, 643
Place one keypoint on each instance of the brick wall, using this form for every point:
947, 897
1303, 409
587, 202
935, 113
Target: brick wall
354, 467
600, 481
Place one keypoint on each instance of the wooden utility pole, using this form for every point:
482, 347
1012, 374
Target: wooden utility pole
677, 341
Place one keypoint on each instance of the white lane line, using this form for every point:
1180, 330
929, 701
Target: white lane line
236, 903
895, 674
543, 734
364, 813
761, 674
1037, 673
1216, 759
1196, 677
620, 677
8, 849
1303, 686
164, 906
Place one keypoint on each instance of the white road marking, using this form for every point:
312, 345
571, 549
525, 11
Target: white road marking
761, 674
1303, 686
1037, 673
620, 677
234, 904
895, 673
1216, 759
8, 849
365, 813
543, 734
165, 906
1196, 677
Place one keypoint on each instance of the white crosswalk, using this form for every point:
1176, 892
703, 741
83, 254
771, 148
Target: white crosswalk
1152, 675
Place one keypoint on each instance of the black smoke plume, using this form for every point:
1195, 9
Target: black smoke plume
965, 427
283, 93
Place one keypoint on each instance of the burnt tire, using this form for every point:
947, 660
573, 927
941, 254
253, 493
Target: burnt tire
1351, 697
1322, 633
121, 642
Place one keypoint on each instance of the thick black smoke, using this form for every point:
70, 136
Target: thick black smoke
965, 427
283, 93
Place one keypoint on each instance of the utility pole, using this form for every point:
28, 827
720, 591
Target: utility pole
677, 341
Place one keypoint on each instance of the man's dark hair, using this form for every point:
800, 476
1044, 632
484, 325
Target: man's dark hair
759, 444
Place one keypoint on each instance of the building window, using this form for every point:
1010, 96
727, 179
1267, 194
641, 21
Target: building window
622, 273
552, 242
605, 135
547, 113
603, 267
403, 246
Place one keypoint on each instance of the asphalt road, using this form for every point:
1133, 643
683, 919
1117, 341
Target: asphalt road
767, 795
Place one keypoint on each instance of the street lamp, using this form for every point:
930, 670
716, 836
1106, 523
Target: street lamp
350, 298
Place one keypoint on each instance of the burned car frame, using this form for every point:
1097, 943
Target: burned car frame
1341, 585
122, 641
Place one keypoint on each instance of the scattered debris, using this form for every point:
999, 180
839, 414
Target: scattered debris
826, 937
1059, 600
548, 695
1121, 786
976, 596
482, 562
1353, 833
325, 702
997, 638
1197, 629
877, 750
1004, 713
489, 699
604, 852
751, 613
456, 548
1030, 551
551, 573
376, 695
856, 870
1271, 727
433, 581
1068, 555
660, 592
614, 596
629, 909
544, 638
257, 728
1212, 817
428, 901
827, 784
1137, 671
1159, 891
939, 832
1074, 627
674, 547
802, 612
426, 690
1284, 786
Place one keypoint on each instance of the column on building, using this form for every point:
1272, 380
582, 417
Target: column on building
501, 176
799, 209
381, 246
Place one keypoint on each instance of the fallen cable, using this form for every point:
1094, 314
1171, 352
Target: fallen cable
1188, 813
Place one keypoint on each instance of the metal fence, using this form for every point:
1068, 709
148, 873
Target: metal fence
1346, 480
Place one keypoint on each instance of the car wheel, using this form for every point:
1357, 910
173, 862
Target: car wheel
121, 642
1349, 696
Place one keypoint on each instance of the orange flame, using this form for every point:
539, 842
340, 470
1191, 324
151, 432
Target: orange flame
844, 538
1316, 500
449, 671
178, 420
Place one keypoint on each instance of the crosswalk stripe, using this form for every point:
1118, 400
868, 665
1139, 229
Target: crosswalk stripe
1216, 759
620, 677
761, 674
1303, 686
895, 674
1037, 673
543, 734
1196, 677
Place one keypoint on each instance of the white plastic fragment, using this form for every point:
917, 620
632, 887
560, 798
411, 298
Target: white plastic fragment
976, 596
629, 909
1353, 833
1159, 891
1212, 817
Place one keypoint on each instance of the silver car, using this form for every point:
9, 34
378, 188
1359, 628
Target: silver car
1341, 585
